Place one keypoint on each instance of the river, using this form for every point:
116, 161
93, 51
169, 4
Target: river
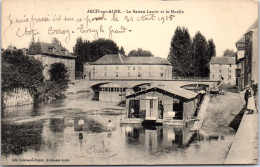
48, 133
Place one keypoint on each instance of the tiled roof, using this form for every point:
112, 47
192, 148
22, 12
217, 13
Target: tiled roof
125, 60
223, 60
111, 85
253, 26
49, 49
241, 41
186, 94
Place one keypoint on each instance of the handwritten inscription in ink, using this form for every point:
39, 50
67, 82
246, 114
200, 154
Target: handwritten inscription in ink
95, 22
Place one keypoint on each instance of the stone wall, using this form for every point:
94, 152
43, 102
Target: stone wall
17, 97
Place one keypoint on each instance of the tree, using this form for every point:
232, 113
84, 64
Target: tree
229, 53
122, 51
180, 53
200, 55
211, 49
59, 73
101, 47
140, 53
59, 79
81, 50
20, 71
87, 51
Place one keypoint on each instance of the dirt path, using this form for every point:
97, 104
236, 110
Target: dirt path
222, 109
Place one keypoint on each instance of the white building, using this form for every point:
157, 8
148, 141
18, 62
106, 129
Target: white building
225, 67
118, 67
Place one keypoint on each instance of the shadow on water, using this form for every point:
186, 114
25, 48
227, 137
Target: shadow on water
236, 121
57, 124
36, 111
17, 139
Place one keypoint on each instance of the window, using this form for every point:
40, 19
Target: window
229, 77
133, 67
116, 74
93, 67
178, 106
161, 74
117, 67
229, 65
128, 74
151, 103
139, 74
160, 109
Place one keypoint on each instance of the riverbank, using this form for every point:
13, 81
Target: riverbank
222, 110
244, 149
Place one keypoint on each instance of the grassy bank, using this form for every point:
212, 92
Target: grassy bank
221, 112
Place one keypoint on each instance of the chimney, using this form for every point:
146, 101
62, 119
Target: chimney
55, 41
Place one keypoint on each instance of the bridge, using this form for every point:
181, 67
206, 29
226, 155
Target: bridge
83, 85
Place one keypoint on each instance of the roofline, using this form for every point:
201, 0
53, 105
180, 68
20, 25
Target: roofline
239, 60
241, 48
225, 64
53, 55
123, 63
157, 88
127, 64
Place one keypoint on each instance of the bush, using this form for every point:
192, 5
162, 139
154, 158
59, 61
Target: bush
21, 71
59, 80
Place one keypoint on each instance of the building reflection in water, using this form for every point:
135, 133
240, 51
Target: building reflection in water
151, 139
163, 138
157, 137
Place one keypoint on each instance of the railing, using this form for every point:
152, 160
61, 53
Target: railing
174, 78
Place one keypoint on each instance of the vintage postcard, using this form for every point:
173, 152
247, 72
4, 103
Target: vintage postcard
129, 82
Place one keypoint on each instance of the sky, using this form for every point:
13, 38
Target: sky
224, 21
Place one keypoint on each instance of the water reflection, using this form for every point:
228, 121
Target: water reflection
57, 124
157, 137
50, 130
163, 138
17, 139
